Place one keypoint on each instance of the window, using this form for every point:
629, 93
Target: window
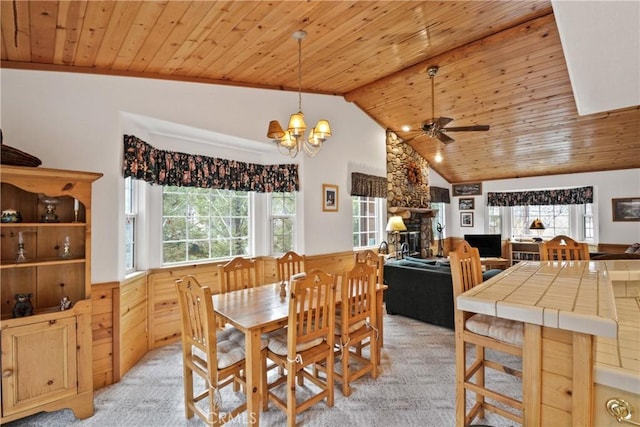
589, 228
283, 212
554, 217
202, 224
438, 219
366, 221
575, 221
495, 220
130, 214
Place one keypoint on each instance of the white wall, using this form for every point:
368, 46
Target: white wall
76, 121
606, 185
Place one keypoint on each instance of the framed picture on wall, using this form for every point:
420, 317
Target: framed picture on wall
466, 219
466, 204
329, 198
468, 189
626, 209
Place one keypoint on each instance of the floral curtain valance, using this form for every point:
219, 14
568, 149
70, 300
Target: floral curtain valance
162, 167
439, 195
567, 196
368, 185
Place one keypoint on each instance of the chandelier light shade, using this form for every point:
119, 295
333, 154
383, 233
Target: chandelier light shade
292, 140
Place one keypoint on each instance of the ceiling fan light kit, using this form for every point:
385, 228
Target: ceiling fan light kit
292, 140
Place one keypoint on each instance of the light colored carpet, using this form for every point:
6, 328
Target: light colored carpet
415, 388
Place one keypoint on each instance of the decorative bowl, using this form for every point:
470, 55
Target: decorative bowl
11, 215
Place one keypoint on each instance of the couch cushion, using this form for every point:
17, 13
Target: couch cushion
415, 264
422, 260
486, 275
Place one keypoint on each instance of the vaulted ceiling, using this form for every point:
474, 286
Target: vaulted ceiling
501, 63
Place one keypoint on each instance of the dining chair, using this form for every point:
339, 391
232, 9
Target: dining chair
216, 356
356, 324
377, 261
564, 248
371, 258
307, 340
483, 332
239, 273
289, 264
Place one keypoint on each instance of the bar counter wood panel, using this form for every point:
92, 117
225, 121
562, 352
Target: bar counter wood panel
564, 306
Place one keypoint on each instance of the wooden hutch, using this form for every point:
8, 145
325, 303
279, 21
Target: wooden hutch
46, 252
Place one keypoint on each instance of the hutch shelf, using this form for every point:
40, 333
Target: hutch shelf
46, 350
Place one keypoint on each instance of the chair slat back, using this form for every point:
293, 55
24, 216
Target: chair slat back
369, 257
198, 317
239, 273
358, 295
290, 264
466, 268
564, 248
311, 309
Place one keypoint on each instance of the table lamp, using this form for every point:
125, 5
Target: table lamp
395, 226
539, 226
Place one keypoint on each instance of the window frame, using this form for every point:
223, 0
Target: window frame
249, 237
131, 199
378, 221
273, 217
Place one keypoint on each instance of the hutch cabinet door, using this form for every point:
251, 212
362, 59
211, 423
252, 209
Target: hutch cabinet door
47, 370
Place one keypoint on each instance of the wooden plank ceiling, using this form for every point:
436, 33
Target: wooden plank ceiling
501, 63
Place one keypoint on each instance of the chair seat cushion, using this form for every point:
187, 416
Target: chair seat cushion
352, 328
231, 346
494, 327
278, 342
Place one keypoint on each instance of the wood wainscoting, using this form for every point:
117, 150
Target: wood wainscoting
141, 312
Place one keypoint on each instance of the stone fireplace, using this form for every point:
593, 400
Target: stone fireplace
408, 192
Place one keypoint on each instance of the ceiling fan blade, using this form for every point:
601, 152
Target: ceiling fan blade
442, 121
446, 139
467, 128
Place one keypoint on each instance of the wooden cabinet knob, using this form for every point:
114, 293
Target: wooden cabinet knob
7, 373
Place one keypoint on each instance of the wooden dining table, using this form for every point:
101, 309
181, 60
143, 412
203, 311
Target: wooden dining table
259, 310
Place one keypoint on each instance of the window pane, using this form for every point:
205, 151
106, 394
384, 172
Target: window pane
199, 224
366, 218
283, 209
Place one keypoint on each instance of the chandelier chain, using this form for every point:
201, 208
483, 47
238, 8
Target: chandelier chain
300, 74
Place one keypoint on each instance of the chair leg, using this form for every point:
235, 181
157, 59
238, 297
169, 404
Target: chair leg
461, 394
291, 394
330, 378
346, 378
480, 378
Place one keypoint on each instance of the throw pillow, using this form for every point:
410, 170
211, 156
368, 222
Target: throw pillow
633, 249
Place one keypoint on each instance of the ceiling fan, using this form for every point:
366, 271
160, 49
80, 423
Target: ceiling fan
435, 128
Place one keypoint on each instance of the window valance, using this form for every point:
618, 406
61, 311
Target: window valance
567, 196
368, 185
162, 167
439, 195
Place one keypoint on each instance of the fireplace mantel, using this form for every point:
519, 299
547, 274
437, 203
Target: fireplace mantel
405, 211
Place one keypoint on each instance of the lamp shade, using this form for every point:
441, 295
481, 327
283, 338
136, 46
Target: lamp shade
297, 125
275, 130
536, 225
396, 224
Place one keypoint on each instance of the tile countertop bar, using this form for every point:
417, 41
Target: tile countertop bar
600, 298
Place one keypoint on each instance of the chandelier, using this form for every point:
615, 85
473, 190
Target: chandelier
292, 140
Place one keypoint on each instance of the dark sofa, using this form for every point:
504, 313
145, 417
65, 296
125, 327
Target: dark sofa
421, 289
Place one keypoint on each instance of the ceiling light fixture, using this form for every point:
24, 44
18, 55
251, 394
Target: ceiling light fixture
292, 140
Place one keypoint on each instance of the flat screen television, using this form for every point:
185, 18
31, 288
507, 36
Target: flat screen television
489, 245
